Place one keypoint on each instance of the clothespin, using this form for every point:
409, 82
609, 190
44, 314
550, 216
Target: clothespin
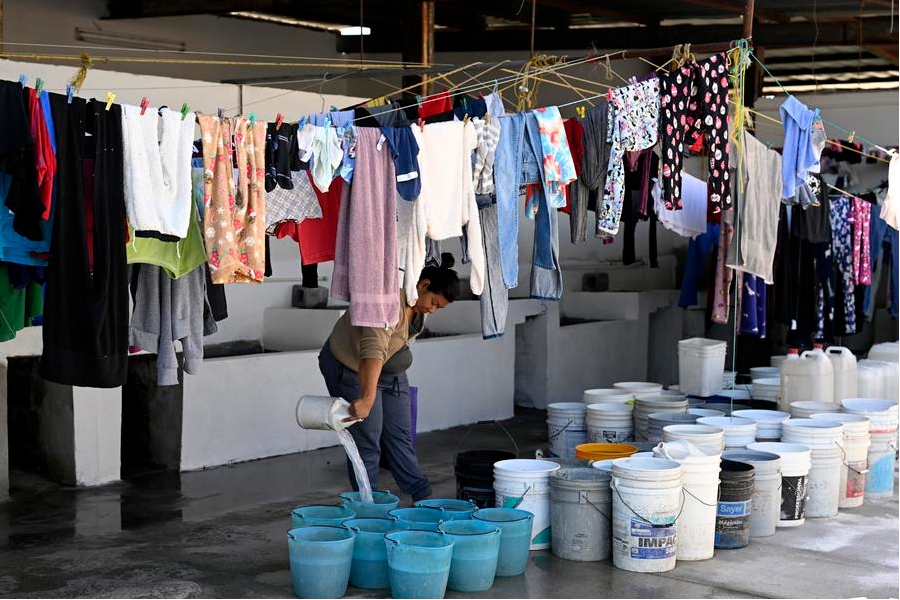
252, 119
465, 118
144, 104
221, 113
279, 119
23, 79
38, 86
70, 92
110, 98
580, 111
184, 111
302, 121
419, 100
333, 108
851, 136
421, 124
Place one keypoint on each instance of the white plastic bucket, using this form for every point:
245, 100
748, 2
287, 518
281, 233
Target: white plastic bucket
656, 421
882, 459
705, 412
322, 412
702, 436
803, 409
768, 388
610, 422
700, 481
795, 465
768, 423
824, 439
524, 483
856, 444
638, 387
566, 427
812, 433
644, 404
611, 395
701, 366
766, 500
580, 513
882, 413
765, 373
738, 431
647, 498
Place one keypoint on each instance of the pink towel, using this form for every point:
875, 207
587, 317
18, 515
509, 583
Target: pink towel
365, 262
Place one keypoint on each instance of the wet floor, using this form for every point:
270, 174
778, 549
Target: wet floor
221, 533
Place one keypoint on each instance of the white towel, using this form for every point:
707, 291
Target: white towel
142, 165
176, 143
691, 221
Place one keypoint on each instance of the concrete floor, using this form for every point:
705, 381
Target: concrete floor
221, 533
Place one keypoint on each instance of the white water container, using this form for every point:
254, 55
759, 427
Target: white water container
766, 500
767, 389
645, 404
524, 483
323, 412
887, 351
638, 387
764, 373
611, 395
768, 423
824, 439
809, 378
700, 481
869, 380
701, 366
795, 465
646, 496
882, 413
702, 436
890, 377
856, 443
738, 431
803, 410
610, 422
843, 364
777, 360
882, 460
656, 421
566, 427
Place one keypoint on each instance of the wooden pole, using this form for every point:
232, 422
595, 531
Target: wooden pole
418, 43
748, 19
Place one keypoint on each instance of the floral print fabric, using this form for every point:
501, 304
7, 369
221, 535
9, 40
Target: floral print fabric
862, 266
234, 218
634, 125
694, 102
842, 253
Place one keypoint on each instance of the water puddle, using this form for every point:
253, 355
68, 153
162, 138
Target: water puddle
359, 468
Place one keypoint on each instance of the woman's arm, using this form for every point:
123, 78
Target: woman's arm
369, 372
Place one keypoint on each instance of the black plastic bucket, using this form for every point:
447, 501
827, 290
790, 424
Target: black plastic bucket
475, 475
733, 513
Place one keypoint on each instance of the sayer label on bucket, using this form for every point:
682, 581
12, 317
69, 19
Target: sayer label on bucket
734, 509
653, 541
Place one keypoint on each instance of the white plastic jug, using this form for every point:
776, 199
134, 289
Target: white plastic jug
843, 363
889, 375
888, 351
323, 412
811, 377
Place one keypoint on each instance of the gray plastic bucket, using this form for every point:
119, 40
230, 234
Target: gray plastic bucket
656, 421
580, 514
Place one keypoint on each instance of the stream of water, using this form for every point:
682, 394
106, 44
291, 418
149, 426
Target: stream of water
359, 468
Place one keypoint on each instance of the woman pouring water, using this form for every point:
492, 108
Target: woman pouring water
367, 366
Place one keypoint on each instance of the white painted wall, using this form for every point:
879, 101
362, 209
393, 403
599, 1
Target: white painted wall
98, 434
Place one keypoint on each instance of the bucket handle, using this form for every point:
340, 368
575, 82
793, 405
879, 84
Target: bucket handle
495, 422
597, 508
615, 486
561, 431
846, 464
522, 497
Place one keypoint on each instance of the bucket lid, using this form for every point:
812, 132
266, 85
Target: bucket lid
526, 465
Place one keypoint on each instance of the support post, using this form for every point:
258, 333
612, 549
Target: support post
418, 42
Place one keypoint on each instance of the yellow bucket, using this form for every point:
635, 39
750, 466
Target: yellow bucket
600, 451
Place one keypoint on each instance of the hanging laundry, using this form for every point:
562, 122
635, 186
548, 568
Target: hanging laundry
885, 254
890, 207
596, 157
691, 220
235, 217
724, 275
411, 245
842, 254
327, 155
494, 104
495, 297
634, 120
556, 158
448, 193
436, 104
17, 159
798, 155
296, 203
365, 263
862, 266
577, 194
282, 155
167, 310
85, 331
348, 143
177, 259
694, 107
44, 154
405, 153
317, 237
758, 211
306, 133
337, 118
699, 250
753, 305
487, 136
19, 306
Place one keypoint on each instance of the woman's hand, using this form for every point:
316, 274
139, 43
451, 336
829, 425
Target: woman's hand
359, 409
